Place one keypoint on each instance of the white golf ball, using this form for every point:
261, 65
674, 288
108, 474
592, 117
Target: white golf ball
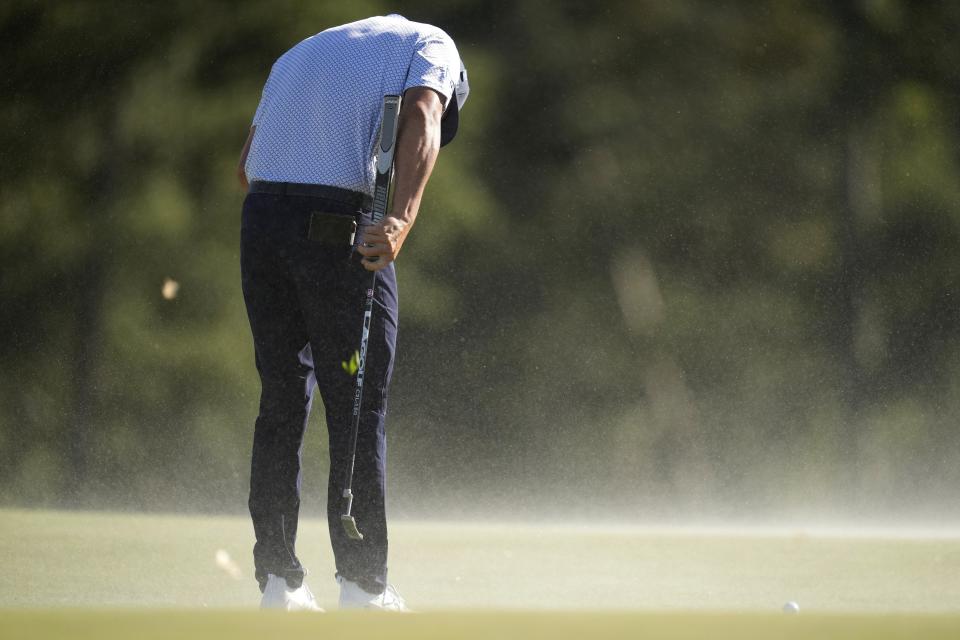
791, 607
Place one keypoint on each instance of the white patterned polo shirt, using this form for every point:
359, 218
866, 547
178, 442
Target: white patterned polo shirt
319, 115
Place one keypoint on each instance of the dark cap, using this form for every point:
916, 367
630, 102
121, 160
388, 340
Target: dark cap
451, 117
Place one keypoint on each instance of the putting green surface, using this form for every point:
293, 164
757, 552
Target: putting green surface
119, 575
242, 625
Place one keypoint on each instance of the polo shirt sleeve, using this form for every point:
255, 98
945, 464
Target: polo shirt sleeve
435, 64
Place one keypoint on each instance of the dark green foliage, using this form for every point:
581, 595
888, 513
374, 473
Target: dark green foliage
692, 255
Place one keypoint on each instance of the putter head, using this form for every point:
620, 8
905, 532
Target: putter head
350, 526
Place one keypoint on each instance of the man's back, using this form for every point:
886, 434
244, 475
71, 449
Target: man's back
318, 118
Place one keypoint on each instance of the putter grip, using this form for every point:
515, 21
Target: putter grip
385, 152
389, 122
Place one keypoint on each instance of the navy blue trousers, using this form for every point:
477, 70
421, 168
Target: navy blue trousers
305, 305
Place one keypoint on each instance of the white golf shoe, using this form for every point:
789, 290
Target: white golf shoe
353, 596
278, 595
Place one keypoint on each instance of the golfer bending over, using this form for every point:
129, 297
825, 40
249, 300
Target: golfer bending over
309, 165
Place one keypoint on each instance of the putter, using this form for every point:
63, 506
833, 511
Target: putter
381, 198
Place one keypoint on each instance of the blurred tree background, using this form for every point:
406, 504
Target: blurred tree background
685, 259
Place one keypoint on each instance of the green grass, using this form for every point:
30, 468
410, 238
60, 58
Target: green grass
243, 625
112, 575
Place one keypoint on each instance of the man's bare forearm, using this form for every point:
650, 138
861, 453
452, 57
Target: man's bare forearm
242, 166
418, 144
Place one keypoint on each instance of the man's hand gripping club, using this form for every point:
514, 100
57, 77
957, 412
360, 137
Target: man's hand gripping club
380, 243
